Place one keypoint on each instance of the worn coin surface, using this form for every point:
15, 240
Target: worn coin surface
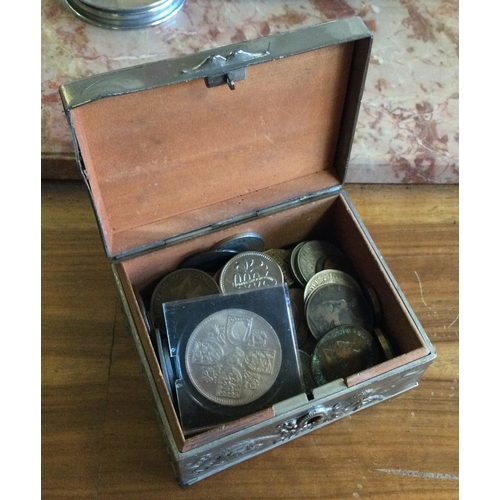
384, 343
374, 301
233, 357
332, 305
343, 351
294, 264
243, 242
312, 252
330, 276
178, 285
282, 258
249, 270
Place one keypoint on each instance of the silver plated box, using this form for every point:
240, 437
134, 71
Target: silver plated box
181, 154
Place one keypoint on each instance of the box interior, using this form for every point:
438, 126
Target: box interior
169, 160
329, 219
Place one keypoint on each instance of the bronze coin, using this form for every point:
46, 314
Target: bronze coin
384, 343
332, 305
374, 301
233, 357
179, 285
341, 352
249, 270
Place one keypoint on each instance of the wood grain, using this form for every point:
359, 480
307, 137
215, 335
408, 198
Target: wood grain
100, 435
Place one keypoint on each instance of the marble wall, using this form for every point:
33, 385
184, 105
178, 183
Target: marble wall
407, 129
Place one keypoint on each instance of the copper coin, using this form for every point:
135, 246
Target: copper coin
233, 357
343, 351
179, 285
332, 305
250, 270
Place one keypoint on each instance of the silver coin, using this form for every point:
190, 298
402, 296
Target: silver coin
179, 285
250, 270
343, 351
294, 264
330, 276
311, 253
333, 305
233, 357
244, 242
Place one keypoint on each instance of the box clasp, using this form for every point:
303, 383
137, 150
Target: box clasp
220, 70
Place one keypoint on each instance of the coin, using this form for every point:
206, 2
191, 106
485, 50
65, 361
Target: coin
384, 343
294, 265
330, 276
282, 258
374, 301
209, 261
299, 319
305, 364
332, 305
249, 270
244, 242
311, 253
343, 351
233, 357
178, 285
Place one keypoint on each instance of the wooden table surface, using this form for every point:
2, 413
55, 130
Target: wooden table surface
100, 435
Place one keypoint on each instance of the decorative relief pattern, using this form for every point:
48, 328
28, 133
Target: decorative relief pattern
322, 414
408, 123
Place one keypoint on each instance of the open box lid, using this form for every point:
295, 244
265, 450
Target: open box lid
176, 148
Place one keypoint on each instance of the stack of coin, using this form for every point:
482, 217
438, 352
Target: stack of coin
327, 299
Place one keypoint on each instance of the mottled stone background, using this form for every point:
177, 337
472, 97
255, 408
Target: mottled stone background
408, 125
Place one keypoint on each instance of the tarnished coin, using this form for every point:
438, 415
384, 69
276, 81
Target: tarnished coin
244, 242
299, 318
332, 305
311, 252
282, 258
384, 343
343, 351
330, 276
374, 301
179, 285
294, 264
233, 357
305, 364
249, 270
209, 261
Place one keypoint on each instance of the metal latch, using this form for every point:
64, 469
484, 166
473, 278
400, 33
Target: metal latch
220, 70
